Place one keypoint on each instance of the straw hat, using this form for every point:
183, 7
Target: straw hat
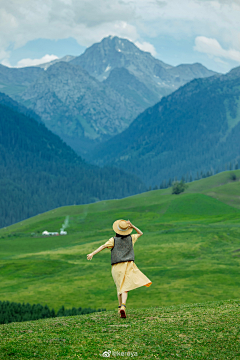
121, 227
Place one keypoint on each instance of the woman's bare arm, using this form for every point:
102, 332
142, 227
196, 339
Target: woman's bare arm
135, 228
89, 256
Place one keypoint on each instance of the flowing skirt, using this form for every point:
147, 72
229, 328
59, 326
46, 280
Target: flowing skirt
127, 276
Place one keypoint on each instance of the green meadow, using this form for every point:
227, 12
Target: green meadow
190, 250
206, 331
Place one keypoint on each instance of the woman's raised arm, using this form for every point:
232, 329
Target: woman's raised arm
135, 228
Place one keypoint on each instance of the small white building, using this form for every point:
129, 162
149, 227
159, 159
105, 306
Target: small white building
47, 233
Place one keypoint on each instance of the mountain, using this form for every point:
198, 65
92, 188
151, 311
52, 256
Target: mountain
92, 97
66, 58
73, 103
193, 129
14, 81
186, 72
9, 102
100, 59
39, 172
128, 86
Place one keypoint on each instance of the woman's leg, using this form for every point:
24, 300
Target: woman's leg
124, 297
120, 299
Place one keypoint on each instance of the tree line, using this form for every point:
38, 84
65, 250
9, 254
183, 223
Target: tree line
189, 177
16, 312
39, 172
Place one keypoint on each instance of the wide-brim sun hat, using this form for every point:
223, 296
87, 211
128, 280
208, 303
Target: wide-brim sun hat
121, 227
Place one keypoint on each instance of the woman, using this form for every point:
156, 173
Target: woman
125, 273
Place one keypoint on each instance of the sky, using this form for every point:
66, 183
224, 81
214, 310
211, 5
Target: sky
174, 31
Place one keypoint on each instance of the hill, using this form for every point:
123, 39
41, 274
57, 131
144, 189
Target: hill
194, 129
198, 331
189, 250
38, 171
219, 186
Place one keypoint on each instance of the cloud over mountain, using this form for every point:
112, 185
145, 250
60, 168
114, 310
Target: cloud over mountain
140, 21
32, 62
212, 48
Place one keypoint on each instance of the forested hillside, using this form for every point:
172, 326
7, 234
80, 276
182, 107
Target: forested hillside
194, 129
38, 171
9, 102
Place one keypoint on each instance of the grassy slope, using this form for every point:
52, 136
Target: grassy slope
189, 250
197, 331
12, 89
220, 187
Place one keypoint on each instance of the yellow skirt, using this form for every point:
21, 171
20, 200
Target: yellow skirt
127, 276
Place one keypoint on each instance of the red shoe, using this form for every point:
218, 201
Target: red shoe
123, 311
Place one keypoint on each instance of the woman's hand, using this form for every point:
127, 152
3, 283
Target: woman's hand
89, 256
134, 227
129, 224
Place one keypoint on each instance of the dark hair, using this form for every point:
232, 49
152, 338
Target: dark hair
123, 236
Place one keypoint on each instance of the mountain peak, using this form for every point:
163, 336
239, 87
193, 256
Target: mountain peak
112, 45
66, 58
117, 40
112, 52
235, 72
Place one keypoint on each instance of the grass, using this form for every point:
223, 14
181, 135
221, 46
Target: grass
191, 331
189, 250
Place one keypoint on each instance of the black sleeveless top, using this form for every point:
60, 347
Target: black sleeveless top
122, 250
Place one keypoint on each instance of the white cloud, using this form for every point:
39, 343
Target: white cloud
4, 56
212, 48
190, 18
88, 21
32, 62
5, 62
146, 46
